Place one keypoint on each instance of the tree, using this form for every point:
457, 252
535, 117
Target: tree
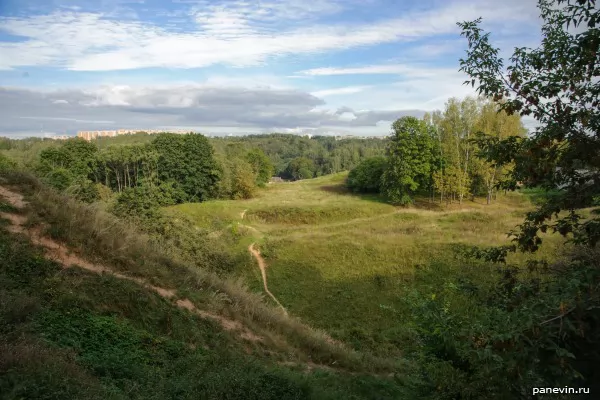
76, 155
555, 311
144, 201
243, 180
72, 162
493, 124
187, 160
409, 159
366, 176
455, 129
300, 168
261, 166
557, 84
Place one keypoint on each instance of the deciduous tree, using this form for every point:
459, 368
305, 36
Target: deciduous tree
558, 84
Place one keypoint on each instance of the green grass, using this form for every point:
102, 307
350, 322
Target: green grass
341, 262
77, 335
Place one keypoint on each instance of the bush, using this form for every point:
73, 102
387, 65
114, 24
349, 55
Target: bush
529, 328
145, 201
300, 168
366, 177
59, 178
5, 163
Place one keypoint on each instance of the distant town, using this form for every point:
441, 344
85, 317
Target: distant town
90, 135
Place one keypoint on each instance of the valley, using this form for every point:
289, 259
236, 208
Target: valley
344, 263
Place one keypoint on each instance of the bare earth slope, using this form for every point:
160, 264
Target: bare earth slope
60, 253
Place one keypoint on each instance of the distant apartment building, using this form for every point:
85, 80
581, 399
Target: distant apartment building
89, 135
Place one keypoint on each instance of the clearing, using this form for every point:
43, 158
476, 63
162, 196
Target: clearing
344, 262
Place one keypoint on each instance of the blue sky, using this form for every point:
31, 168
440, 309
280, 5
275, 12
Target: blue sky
237, 66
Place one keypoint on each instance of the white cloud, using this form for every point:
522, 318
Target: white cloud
172, 106
339, 91
85, 121
371, 69
241, 34
411, 86
407, 70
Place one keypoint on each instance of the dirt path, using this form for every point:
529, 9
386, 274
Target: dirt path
14, 199
263, 270
59, 253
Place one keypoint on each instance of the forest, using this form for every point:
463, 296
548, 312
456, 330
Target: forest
170, 169
439, 155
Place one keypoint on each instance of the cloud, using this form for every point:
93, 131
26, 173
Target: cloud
156, 107
239, 33
339, 91
372, 69
407, 70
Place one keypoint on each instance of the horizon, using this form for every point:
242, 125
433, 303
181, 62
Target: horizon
236, 66
207, 134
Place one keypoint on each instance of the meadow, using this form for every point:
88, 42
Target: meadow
344, 262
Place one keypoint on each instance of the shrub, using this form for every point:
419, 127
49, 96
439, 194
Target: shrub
366, 177
145, 201
531, 328
5, 163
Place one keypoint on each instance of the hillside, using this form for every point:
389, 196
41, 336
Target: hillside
131, 324
346, 263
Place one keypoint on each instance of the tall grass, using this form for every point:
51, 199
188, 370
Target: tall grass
341, 261
120, 245
72, 334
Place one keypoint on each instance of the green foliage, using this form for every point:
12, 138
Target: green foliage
72, 162
145, 201
59, 178
300, 168
5, 163
243, 180
366, 176
409, 159
262, 166
188, 161
75, 155
328, 154
557, 84
237, 178
80, 335
500, 340
126, 166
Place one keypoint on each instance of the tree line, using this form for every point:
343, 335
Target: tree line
296, 157
535, 323
144, 172
438, 155
168, 170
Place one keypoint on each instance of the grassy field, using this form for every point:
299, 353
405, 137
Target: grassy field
344, 262
72, 333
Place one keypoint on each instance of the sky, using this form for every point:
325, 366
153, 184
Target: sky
239, 66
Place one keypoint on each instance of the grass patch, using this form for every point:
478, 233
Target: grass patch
113, 242
73, 334
342, 261
306, 215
